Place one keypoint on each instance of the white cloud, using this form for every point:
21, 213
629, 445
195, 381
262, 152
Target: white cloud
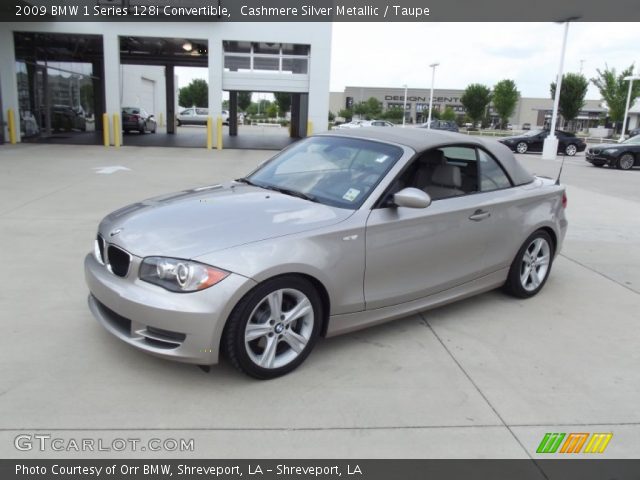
392, 54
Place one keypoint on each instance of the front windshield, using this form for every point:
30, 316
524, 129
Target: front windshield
335, 171
633, 140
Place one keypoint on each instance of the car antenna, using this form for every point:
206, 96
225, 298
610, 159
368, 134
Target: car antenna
560, 172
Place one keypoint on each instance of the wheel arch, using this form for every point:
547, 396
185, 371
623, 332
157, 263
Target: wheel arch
317, 284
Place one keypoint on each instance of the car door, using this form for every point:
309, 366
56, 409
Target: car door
412, 253
538, 142
201, 116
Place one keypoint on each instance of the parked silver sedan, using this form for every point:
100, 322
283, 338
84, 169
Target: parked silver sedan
335, 233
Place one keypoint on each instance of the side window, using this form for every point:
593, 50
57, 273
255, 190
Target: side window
201, 111
492, 177
442, 172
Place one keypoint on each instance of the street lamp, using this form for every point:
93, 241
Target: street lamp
433, 77
550, 146
404, 107
629, 79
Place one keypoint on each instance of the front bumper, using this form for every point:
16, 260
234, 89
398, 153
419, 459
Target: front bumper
600, 159
185, 327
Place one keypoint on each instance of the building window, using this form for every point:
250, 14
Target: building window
266, 57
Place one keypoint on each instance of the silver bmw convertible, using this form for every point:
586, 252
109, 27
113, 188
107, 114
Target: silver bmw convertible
335, 233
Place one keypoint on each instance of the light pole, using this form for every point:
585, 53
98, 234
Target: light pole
550, 146
629, 79
404, 107
433, 77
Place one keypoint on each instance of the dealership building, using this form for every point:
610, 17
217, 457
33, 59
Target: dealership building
534, 111
52, 71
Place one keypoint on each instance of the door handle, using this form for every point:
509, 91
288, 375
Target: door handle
479, 215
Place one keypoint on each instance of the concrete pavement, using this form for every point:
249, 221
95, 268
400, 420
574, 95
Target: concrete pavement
483, 378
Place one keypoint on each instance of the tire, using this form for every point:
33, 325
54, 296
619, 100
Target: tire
522, 147
251, 328
571, 149
178, 122
626, 161
522, 282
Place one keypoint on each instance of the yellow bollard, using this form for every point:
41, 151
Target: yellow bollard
11, 124
105, 129
219, 134
161, 123
309, 128
209, 133
116, 130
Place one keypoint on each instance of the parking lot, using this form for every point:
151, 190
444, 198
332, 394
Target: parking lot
483, 378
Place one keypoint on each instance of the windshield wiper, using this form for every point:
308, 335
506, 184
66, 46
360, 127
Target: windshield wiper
247, 181
293, 193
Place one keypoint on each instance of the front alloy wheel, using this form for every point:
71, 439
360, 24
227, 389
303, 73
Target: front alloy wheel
274, 328
626, 161
522, 147
530, 269
571, 150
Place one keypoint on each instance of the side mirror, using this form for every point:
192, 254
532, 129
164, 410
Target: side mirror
411, 198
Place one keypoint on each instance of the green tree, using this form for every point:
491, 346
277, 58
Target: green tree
505, 98
272, 110
369, 109
435, 114
448, 114
346, 113
244, 100
284, 102
614, 89
573, 90
196, 94
393, 114
475, 99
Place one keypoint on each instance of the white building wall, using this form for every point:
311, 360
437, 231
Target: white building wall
143, 86
318, 35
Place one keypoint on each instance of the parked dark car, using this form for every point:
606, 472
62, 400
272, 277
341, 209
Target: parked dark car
635, 132
64, 118
441, 125
134, 118
624, 155
533, 140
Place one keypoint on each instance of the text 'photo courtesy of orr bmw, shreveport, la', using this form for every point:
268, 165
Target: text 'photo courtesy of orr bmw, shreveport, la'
335, 233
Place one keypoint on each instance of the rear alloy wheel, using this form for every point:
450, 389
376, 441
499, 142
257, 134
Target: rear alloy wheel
530, 269
626, 161
522, 147
571, 149
274, 327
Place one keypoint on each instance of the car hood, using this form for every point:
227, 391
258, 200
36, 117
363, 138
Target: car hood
191, 223
603, 146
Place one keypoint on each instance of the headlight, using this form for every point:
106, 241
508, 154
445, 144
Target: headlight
179, 275
610, 151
